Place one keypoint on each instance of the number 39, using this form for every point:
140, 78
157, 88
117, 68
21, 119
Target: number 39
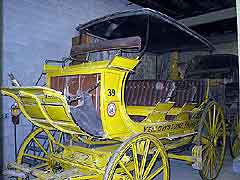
111, 92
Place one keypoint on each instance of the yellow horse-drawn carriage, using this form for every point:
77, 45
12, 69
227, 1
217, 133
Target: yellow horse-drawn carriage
94, 122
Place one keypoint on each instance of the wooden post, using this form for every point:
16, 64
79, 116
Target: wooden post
173, 73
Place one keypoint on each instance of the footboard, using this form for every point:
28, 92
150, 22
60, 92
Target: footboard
44, 107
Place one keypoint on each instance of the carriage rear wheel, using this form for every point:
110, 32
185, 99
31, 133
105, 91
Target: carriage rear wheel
36, 149
235, 138
140, 157
212, 137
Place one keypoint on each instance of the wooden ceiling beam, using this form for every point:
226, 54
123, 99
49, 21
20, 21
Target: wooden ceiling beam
210, 17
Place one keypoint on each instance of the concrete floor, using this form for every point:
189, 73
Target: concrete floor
182, 171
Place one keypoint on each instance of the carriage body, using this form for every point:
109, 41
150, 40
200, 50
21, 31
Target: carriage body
47, 108
112, 105
114, 120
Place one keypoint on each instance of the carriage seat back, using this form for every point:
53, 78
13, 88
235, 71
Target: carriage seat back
189, 91
151, 92
107, 45
148, 92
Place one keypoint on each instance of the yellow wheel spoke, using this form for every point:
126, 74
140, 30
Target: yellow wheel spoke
130, 160
50, 145
204, 171
36, 148
205, 140
40, 145
205, 147
211, 165
206, 157
40, 166
213, 119
215, 160
235, 137
52, 139
217, 120
219, 134
213, 139
210, 120
207, 126
214, 156
135, 158
156, 173
144, 158
35, 157
218, 126
150, 165
125, 169
60, 137
207, 166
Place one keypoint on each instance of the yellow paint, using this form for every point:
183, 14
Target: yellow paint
139, 110
48, 109
113, 77
124, 63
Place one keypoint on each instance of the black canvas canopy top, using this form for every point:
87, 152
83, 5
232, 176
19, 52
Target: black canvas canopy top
158, 32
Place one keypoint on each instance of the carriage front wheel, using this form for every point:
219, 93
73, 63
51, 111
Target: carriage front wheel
36, 149
212, 138
140, 157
